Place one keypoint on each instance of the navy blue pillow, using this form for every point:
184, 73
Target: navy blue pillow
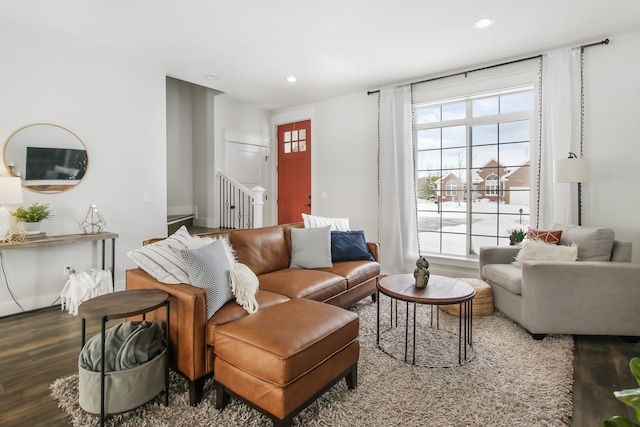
349, 246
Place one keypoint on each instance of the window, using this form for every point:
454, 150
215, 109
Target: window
451, 188
473, 157
491, 185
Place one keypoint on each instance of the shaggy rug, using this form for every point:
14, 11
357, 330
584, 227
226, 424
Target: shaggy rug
512, 380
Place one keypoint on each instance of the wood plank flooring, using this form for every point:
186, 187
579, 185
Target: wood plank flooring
38, 347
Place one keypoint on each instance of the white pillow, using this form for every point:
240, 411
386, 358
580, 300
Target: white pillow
163, 259
538, 250
337, 224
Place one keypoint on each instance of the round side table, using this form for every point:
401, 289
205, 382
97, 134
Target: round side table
440, 291
118, 305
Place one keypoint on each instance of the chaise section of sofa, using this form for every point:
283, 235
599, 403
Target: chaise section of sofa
267, 252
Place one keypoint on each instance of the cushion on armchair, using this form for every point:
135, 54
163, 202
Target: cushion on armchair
594, 243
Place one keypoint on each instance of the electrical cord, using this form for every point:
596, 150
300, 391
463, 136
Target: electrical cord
6, 280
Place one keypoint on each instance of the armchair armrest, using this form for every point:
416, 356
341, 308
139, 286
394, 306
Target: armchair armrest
496, 255
583, 297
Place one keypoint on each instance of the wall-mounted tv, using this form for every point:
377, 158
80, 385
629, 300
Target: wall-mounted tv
62, 164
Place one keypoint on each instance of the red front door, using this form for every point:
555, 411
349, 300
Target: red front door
294, 171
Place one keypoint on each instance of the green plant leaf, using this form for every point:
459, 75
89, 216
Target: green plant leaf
634, 366
618, 422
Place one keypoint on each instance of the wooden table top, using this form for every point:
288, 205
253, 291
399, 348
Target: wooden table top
122, 304
439, 291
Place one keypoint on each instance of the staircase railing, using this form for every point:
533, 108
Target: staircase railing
240, 207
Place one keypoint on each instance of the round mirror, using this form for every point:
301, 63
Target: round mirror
48, 158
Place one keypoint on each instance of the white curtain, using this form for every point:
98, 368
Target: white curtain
396, 182
560, 133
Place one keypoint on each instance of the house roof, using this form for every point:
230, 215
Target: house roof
333, 47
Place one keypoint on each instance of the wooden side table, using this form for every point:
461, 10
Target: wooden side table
118, 305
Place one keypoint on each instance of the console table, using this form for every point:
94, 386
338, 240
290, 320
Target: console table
66, 239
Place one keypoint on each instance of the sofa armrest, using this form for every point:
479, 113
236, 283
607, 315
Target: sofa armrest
374, 248
188, 311
496, 255
589, 297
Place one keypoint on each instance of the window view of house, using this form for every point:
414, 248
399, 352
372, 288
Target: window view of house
473, 170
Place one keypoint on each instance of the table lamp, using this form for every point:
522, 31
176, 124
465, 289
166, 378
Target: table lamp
10, 194
572, 169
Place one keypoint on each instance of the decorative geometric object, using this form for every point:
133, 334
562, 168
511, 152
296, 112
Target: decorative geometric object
92, 222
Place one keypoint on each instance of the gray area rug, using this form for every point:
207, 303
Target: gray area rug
513, 380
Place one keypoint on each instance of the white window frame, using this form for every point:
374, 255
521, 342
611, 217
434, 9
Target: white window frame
495, 81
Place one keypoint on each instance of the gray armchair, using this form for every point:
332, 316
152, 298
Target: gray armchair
599, 294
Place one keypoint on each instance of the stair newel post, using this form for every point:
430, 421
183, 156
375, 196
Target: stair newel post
258, 206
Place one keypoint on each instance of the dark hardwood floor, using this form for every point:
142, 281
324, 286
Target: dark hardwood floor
38, 347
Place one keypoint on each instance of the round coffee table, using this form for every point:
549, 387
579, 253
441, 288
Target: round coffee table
439, 291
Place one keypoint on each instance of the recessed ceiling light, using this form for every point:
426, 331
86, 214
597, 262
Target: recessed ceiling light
291, 79
484, 23
211, 77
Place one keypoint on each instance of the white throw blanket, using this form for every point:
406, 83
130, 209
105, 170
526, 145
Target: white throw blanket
244, 285
83, 286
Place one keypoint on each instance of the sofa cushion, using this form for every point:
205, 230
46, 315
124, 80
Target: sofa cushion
313, 221
263, 250
506, 276
349, 246
594, 243
209, 268
232, 311
355, 272
317, 285
311, 247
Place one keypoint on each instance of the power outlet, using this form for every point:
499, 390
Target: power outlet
67, 270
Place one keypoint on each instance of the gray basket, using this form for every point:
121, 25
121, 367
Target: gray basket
123, 390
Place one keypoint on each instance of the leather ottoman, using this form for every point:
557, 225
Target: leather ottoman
282, 358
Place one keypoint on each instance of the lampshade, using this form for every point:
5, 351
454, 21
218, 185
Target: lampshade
10, 190
575, 169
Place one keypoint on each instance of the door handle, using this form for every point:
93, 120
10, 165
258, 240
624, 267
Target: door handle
308, 205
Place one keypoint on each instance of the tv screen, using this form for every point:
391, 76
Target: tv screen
55, 164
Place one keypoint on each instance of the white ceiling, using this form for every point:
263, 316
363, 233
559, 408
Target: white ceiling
333, 47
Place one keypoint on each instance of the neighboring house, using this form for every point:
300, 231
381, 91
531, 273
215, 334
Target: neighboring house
492, 181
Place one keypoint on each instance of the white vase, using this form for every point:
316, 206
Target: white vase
31, 227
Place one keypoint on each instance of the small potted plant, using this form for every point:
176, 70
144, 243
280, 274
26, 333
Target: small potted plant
517, 236
32, 216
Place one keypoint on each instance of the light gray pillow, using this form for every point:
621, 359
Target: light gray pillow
594, 243
311, 247
209, 269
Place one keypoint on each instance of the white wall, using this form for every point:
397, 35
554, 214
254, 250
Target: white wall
345, 151
611, 138
116, 105
231, 115
344, 154
179, 147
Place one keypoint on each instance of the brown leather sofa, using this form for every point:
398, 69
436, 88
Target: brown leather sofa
267, 251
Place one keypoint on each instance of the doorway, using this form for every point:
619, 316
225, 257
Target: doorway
294, 171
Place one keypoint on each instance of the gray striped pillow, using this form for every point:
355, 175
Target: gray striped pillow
163, 259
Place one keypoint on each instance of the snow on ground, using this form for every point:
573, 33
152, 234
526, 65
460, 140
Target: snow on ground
487, 219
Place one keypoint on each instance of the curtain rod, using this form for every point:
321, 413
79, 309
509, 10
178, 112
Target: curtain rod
605, 41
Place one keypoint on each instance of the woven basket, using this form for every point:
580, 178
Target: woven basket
123, 390
482, 303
